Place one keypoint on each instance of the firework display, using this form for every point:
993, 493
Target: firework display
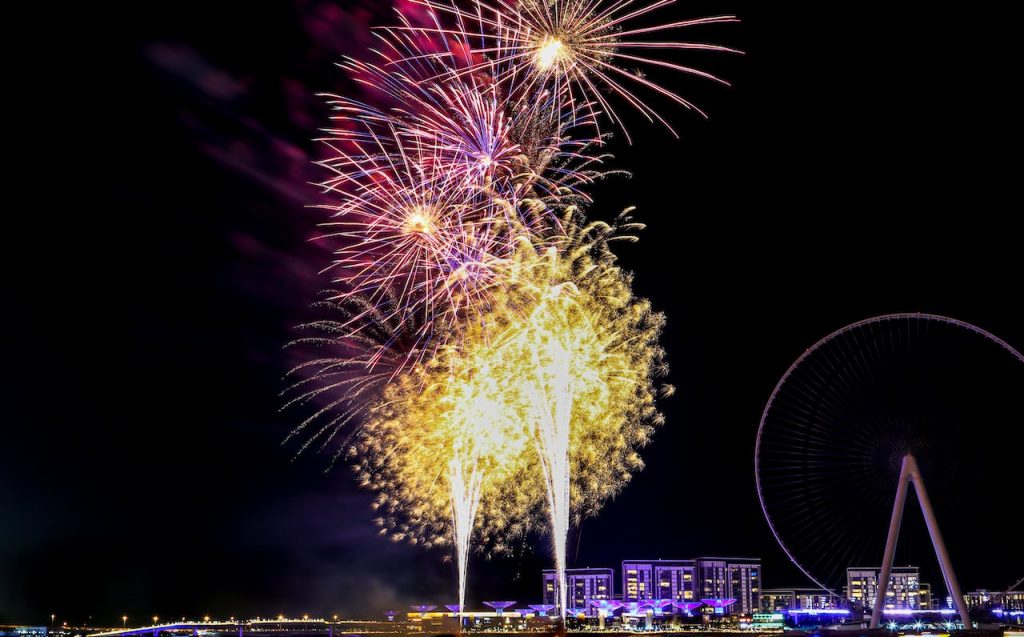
574, 50
485, 361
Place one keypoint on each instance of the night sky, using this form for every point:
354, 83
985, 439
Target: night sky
863, 162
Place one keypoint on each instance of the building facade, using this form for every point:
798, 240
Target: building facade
1011, 601
583, 586
659, 579
694, 580
745, 584
904, 590
810, 599
924, 597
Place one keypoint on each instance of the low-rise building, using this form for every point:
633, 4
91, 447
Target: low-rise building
1010, 601
583, 586
903, 592
779, 599
693, 580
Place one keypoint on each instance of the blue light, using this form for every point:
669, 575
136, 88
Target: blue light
814, 611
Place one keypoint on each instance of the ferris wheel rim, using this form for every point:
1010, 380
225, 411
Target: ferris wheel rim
813, 348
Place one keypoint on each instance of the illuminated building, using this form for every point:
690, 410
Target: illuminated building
585, 585
659, 579
736, 578
744, 584
979, 599
862, 586
924, 597
1013, 601
731, 577
903, 592
712, 578
778, 599
1006, 601
773, 599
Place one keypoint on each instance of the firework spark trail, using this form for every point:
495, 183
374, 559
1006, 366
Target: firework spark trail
407, 230
475, 451
551, 396
561, 350
465, 483
348, 368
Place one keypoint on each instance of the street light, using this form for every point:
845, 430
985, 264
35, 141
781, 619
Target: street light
206, 618
124, 621
155, 619
53, 618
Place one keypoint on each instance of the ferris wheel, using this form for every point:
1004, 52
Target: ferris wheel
886, 406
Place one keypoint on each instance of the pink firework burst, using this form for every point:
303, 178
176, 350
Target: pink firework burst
574, 51
433, 190
409, 230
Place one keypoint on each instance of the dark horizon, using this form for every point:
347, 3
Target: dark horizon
855, 168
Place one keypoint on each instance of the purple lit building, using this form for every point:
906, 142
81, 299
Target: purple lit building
903, 592
1008, 601
737, 578
659, 579
585, 585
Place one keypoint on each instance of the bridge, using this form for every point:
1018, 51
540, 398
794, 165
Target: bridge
176, 627
278, 626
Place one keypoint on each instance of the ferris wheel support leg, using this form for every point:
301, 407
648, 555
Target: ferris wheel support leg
890, 543
952, 585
